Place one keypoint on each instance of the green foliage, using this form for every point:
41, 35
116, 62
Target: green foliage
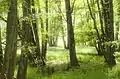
114, 73
84, 33
3, 6
55, 26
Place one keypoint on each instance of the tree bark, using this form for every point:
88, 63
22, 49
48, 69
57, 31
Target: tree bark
118, 23
99, 41
35, 30
27, 39
63, 37
1, 53
44, 44
109, 31
72, 51
22, 70
62, 27
11, 41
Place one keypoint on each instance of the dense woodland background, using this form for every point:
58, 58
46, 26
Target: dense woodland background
59, 39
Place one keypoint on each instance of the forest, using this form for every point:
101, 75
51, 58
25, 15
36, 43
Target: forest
59, 39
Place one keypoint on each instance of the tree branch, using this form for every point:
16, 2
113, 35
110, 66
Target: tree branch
100, 17
3, 19
94, 20
61, 13
73, 4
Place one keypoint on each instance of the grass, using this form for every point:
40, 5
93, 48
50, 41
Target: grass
71, 74
91, 66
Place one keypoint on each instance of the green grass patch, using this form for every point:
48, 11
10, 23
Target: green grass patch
91, 66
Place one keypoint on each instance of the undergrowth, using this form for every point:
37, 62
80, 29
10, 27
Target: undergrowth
91, 67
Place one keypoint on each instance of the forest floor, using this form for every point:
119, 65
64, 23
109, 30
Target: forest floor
91, 65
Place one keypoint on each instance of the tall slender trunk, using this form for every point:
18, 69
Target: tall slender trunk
1, 53
46, 36
61, 25
118, 24
43, 36
44, 44
11, 41
100, 17
99, 42
35, 30
72, 51
101, 47
117, 35
63, 37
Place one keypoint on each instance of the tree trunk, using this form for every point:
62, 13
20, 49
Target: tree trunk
117, 35
118, 23
63, 33
44, 44
35, 29
22, 70
1, 53
43, 38
101, 47
46, 36
63, 38
62, 27
109, 31
72, 51
11, 41
99, 42
27, 39
117, 31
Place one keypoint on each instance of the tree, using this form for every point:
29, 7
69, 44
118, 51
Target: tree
72, 51
61, 16
11, 42
36, 35
27, 39
118, 21
109, 31
1, 53
93, 16
44, 44
53, 30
